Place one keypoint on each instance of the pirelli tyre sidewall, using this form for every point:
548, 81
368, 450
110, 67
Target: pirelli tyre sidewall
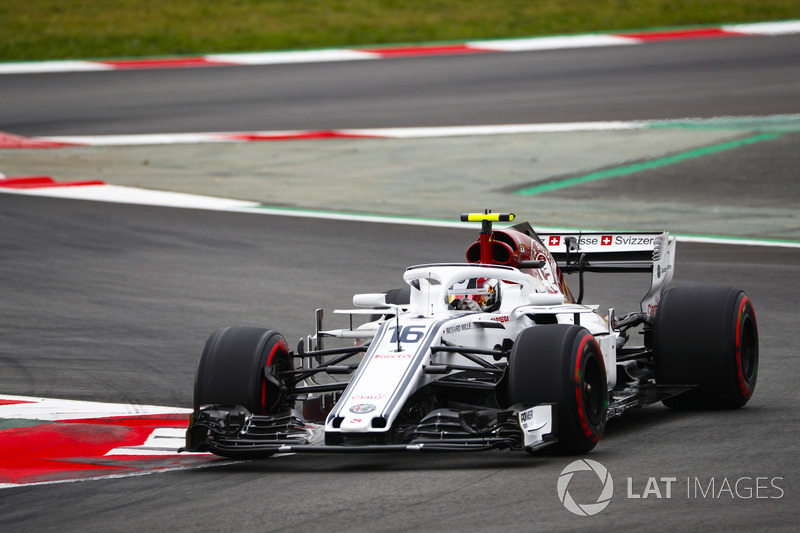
239, 367
562, 364
706, 337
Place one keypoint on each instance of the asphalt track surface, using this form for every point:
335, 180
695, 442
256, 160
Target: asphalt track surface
715, 77
111, 302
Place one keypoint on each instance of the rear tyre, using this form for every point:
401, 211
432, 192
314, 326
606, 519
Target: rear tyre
562, 364
240, 366
706, 336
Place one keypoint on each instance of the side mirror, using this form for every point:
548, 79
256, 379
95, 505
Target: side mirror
370, 300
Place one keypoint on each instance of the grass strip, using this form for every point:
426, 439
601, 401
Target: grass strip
58, 29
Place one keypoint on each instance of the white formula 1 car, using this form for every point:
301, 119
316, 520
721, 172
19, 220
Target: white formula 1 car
492, 353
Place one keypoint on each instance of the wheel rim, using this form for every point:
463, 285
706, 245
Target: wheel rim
747, 350
278, 359
593, 397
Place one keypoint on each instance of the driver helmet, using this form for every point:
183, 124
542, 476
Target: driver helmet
475, 294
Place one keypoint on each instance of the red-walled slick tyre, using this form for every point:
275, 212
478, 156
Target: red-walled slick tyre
239, 366
562, 364
708, 337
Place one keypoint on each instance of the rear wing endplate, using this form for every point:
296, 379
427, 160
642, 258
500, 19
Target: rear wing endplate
616, 252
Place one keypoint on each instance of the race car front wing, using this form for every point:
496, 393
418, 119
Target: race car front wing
234, 432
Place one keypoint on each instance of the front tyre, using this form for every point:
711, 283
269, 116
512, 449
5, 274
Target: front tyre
708, 337
241, 366
562, 364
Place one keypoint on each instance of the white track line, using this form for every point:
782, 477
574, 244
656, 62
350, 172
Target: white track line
49, 409
379, 133
280, 58
132, 195
786, 27
552, 43
741, 122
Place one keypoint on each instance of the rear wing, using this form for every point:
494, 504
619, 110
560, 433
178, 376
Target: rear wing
616, 252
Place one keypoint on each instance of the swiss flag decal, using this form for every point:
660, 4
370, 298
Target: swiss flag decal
605, 240
555, 240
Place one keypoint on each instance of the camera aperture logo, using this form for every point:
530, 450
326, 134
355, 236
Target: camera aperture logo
585, 509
